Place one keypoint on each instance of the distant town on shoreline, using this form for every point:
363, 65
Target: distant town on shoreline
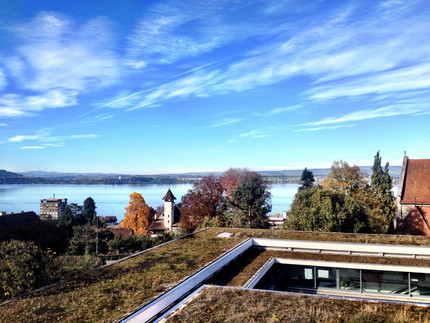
276, 176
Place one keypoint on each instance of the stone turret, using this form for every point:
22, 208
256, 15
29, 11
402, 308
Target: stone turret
169, 209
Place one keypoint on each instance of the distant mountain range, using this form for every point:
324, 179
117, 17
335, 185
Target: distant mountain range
42, 177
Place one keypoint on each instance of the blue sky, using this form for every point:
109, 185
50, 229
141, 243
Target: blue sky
147, 87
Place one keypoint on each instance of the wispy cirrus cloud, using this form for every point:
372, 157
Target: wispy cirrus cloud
20, 138
33, 147
388, 111
163, 35
13, 105
277, 111
3, 81
404, 79
345, 121
54, 61
328, 52
56, 52
47, 139
324, 128
224, 122
256, 133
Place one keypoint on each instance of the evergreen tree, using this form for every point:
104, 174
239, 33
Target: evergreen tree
67, 218
307, 179
89, 211
381, 185
250, 202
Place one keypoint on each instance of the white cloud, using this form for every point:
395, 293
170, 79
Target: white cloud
12, 112
325, 128
326, 50
256, 133
3, 81
20, 138
277, 111
33, 147
14, 105
163, 36
388, 111
57, 60
58, 53
48, 140
404, 79
86, 136
224, 122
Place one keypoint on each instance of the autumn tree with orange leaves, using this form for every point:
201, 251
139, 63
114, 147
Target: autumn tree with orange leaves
138, 214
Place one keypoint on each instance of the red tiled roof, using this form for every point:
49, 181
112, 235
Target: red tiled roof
156, 225
123, 232
417, 183
417, 222
169, 196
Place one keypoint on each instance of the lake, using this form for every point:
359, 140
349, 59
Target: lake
112, 199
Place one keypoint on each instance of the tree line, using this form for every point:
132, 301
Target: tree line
344, 201
237, 198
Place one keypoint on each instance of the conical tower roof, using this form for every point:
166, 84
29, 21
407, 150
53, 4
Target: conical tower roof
169, 196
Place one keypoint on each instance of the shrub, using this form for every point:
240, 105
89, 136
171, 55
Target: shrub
21, 268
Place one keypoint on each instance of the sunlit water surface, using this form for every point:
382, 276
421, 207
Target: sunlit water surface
112, 199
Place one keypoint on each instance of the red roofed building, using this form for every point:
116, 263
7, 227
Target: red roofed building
168, 218
115, 232
413, 198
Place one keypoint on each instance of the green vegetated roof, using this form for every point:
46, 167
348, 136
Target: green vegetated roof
109, 293
217, 304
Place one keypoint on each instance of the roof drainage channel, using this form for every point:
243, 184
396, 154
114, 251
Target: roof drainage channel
160, 305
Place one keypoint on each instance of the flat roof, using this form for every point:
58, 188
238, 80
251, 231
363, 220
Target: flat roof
109, 293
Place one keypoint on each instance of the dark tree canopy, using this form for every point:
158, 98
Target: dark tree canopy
21, 268
250, 202
323, 209
203, 202
381, 185
89, 211
349, 204
307, 179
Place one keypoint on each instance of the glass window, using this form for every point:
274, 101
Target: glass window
385, 282
349, 279
326, 277
420, 284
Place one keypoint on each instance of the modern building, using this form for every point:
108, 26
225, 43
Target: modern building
52, 208
276, 221
168, 218
413, 198
335, 271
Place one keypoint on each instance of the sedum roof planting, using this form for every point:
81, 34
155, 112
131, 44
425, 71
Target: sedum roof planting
109, 293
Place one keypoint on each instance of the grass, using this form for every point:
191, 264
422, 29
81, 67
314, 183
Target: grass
215, 304
107, 294
244, 267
